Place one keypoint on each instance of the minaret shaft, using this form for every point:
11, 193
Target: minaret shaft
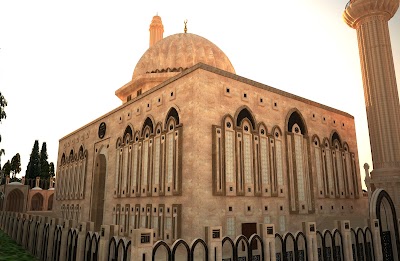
156, 30
380, 90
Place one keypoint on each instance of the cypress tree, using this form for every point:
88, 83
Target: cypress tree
44, 164
16, 164
33, 168
51, 169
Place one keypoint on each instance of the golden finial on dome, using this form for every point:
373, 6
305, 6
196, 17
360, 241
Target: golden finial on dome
185, 29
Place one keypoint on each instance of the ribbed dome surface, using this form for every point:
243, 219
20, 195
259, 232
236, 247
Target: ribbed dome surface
180, 51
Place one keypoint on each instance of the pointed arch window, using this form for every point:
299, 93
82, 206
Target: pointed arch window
298, 167
322, 188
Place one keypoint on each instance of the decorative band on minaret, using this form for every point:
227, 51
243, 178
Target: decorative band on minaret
156, 30
370, 19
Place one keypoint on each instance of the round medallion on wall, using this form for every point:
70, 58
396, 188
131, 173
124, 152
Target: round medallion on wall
102, 130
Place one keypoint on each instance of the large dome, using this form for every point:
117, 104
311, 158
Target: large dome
180, 51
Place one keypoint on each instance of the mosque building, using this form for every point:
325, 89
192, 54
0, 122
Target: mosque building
194, 144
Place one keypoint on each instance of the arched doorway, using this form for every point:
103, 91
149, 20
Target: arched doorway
50, 202
15, 201
382, 208
98, 194
37, 202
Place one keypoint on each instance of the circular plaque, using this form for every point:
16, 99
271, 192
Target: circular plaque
102, 130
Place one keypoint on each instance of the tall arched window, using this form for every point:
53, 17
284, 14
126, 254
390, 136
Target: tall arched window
157, 161
244, 160
135, 166
264, 156
146, 161
298, 168
118, 167
172, 180
322, 188
328, 167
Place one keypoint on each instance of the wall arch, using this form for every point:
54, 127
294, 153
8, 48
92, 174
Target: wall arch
243, 113
383, 209
15, 201
172, 113
148, 123
37, 202
295, 117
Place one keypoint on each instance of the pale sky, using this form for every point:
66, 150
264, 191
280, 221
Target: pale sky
61, 61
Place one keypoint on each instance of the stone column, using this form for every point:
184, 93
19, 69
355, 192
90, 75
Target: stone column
67, 224
142, 244
39, 246
376, 234
25, 231
15, 226
267, 232
106, 233
52, 227
344, 228
214, 242
370, 19
83, 228
31, 233
310, 231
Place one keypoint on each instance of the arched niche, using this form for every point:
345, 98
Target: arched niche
245, 113
295, 118
382, 208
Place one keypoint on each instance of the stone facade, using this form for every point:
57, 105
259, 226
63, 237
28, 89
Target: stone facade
160, 160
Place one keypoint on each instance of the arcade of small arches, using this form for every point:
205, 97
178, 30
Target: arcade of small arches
148, 161
249, 161
71, 184
37, 201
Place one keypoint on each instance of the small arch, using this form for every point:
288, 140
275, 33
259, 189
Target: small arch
227, 121
335, 137
193, 248
315, 140
159, 244
63, 159
37, 202
136, 136
295, 117
148, 123
326, 143
174, 114
128, 133
71, 155
118, 143
176, 245
245, 113
228, 248
15, 201
50, 202
246, 243
158, 128
346, 147
262, 129
277, 132
81, 152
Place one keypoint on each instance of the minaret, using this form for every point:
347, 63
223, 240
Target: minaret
156, 30
370, 19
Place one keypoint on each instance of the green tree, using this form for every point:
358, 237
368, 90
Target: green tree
51, 169
16, 164
3, 104
33, 168
7, 168
44, 164
2, 152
